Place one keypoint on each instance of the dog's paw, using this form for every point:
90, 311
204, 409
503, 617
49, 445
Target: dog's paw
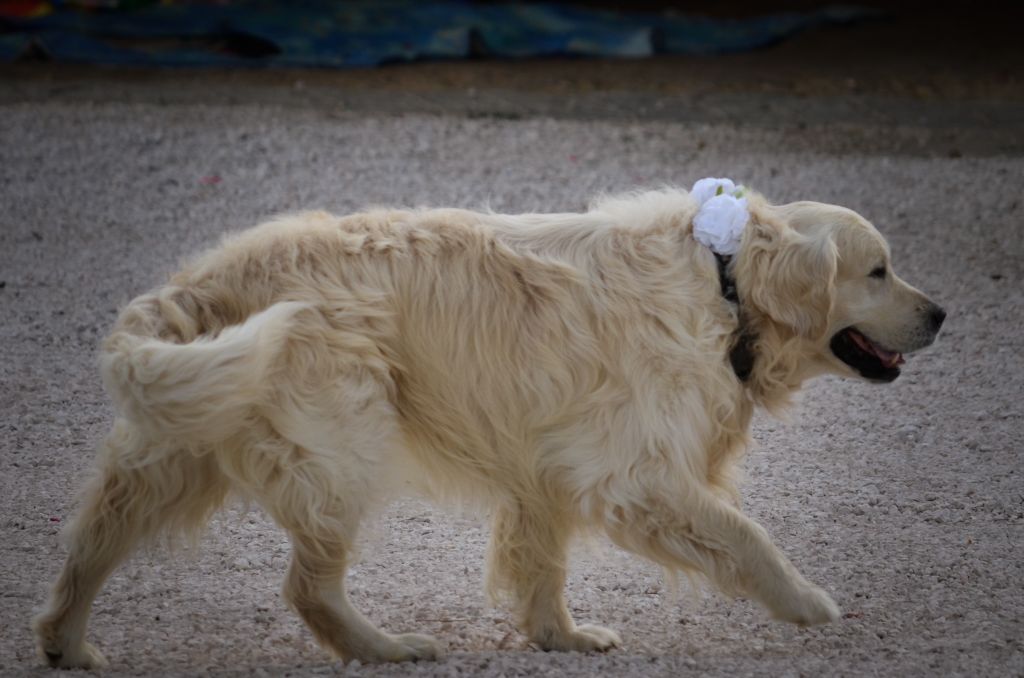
809, 605
598, 638
418, 646
54, 648
403, 647
586, 638
85, 656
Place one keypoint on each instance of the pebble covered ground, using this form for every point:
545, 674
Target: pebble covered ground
905, 501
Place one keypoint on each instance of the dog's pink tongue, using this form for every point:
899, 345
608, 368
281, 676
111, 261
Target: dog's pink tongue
888, 358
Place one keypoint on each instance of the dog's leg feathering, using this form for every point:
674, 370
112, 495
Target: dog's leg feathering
126, 503
527, 560
707, 535
322, 525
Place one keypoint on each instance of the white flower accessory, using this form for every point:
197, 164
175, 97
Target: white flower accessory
709, 187
723, 214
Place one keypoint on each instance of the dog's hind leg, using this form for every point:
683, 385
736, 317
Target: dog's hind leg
319, 499
527, 560
325, 456
140, 488
315, 588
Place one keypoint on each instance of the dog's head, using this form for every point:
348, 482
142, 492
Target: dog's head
824, 274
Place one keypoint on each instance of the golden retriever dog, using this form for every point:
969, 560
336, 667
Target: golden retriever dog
568, 372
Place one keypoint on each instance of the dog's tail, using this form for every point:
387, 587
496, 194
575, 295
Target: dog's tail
199, 391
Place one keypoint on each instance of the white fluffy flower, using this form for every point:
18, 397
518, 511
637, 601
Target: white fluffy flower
705, 189
720, 222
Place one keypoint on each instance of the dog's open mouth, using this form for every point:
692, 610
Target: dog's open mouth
869, 359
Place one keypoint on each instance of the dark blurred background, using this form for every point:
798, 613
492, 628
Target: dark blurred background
909, 49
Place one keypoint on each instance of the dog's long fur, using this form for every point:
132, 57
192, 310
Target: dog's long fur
567, 371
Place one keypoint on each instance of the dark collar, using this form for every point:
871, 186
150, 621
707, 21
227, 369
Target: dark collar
741, 355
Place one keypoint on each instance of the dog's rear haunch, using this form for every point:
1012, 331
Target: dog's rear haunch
566, 371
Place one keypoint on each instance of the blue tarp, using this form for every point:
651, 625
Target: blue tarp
325, 33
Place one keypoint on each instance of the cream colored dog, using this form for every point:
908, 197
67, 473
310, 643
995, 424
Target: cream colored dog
568, 371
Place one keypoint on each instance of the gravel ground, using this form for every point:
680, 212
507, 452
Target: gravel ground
905, 501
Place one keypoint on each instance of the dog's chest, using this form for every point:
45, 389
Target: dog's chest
680, 386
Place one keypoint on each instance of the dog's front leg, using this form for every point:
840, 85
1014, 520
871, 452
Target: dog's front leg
527, 561
702, 532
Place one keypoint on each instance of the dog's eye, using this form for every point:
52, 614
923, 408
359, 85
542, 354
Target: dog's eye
878, 273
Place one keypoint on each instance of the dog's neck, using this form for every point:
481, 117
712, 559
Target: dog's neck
742, 355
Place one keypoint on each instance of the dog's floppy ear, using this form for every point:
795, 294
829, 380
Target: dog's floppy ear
788, 276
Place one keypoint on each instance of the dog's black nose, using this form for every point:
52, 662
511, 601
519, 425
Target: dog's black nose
938, 314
